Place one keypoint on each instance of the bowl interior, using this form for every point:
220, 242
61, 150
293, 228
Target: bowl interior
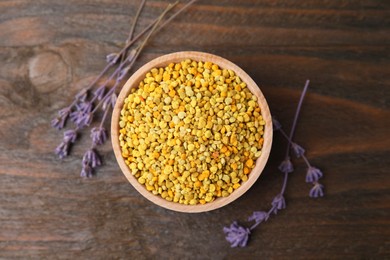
163, 61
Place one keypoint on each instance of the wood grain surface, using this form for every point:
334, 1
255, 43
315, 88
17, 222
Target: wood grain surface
51, 49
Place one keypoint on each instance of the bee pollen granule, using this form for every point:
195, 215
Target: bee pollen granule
191, 132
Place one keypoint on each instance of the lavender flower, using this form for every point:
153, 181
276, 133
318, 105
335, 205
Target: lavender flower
62, 149
99, 92
83, 114
317, 190
286, 166
237, 235
86, 171
123, 73
60, 121
298, 150
92, 158
278, 203
275, 124
98, 135
109, 100
313, 174
70, 135
259, 216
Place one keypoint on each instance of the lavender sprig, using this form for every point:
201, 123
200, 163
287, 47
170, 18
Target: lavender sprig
238, 235
313, 174
82, 109
91, 159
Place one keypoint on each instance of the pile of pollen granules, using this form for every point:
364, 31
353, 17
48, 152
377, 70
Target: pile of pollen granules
191, 132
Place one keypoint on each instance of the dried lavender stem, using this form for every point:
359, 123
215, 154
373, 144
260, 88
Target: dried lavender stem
141, 6
129, 44
284, 183
297, 115
134, 23
176, 14
292, 132
155, 21
154, 29
139, 49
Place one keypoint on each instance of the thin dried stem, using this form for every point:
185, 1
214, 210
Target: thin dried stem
141, 6
297, 115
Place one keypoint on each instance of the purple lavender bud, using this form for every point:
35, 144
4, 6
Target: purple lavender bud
83, 115
278, 203
85, 106
298, 150
57, 123
286, 166
98, 135
317, 190
112, 58
86, 171
99, 92
122, 73
259, 216
109, 101
70, 136
91, 158
313, 174
237, 235
62, 149
60, 121
275, 124
81, 119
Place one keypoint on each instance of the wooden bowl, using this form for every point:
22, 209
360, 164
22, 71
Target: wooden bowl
163, 61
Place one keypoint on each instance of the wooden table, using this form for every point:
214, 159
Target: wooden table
51, 49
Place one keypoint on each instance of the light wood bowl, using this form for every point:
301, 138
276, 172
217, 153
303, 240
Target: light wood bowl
163, 61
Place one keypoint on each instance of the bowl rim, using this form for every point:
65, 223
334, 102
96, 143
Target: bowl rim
163, 61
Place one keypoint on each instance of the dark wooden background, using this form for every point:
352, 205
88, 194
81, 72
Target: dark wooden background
51, 49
